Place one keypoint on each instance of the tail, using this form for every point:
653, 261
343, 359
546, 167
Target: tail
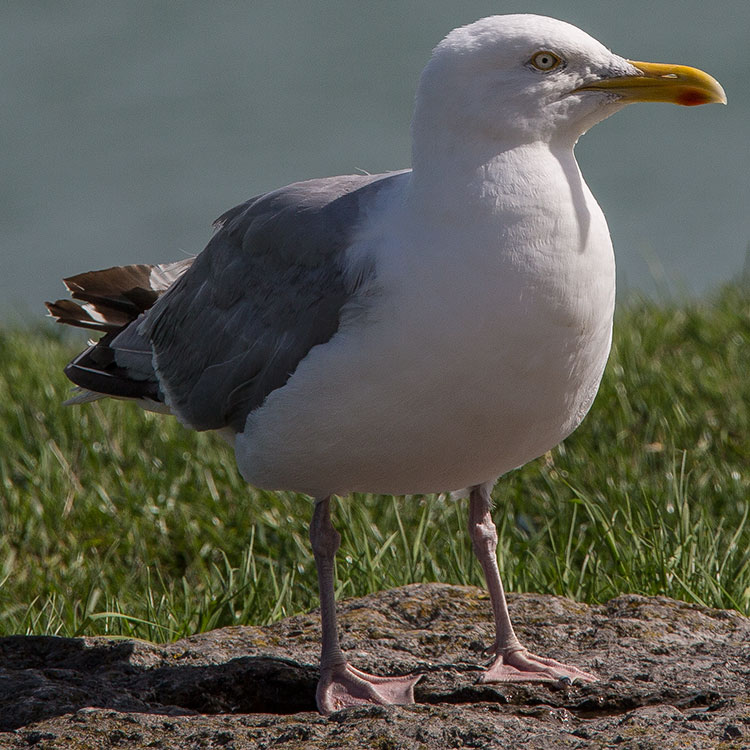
116, 296
119, 364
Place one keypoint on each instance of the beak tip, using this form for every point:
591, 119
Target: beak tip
694, 97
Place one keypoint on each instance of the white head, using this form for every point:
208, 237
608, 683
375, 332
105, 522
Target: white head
524, 78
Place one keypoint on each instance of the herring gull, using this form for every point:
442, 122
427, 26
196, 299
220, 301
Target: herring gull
420, 331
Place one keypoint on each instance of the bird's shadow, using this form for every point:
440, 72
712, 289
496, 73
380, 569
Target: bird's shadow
46, 676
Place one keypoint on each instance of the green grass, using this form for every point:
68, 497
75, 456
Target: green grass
119, 522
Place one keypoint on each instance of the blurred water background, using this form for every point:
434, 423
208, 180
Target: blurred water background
127, 126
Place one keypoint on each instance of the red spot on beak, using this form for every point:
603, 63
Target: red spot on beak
692, 98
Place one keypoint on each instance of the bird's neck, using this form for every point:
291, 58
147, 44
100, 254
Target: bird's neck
529, 199
486, 176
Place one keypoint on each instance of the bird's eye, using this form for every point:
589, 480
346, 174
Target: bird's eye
545, 61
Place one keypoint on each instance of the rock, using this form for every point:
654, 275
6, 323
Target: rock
673, 675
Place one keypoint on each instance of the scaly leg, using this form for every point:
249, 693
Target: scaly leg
513, 663
341, 685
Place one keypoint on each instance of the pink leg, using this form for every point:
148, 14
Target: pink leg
513, 663
341, 685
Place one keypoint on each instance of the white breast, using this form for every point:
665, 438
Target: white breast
483, 349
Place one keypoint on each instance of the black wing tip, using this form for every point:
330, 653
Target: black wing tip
109, 383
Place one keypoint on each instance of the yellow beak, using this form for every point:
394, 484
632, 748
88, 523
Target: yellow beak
661, 82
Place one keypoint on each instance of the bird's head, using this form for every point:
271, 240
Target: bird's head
524, 78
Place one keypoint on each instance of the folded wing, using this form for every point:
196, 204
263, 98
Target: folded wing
212, 336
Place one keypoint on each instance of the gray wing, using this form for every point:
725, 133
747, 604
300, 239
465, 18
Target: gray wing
269, 287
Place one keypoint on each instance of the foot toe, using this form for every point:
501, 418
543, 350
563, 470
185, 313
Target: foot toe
521, 666
346, 686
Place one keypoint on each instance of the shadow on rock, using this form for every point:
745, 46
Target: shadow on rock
43, 677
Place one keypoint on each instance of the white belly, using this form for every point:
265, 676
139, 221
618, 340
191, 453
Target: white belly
445, 424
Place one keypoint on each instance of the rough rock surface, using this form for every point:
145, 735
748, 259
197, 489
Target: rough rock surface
673, 675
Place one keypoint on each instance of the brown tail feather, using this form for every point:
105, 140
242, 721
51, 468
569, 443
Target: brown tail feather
114, 297
68, 312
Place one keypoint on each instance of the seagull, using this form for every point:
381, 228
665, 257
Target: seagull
422, 331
